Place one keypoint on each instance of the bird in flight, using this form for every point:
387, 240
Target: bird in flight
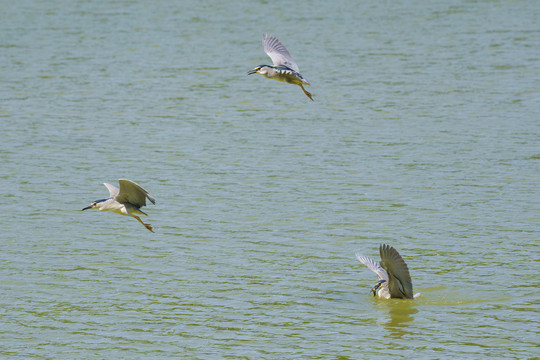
284, 68
128, 200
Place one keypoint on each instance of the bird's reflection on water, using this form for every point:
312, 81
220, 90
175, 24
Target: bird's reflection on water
398, 314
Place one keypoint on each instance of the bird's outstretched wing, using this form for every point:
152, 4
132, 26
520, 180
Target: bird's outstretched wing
113, 190
278, 53
373, 266
399, 279
133, 193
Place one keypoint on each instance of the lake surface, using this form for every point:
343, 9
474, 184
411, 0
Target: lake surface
424, 134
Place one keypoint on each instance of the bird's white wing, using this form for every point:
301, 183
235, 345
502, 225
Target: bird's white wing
133, 193
278, 53
399, 279
373, 266
113, 190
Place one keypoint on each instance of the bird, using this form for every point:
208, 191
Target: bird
127, 200
284, 68
394, 278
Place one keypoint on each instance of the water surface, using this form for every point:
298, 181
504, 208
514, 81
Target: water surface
423, 134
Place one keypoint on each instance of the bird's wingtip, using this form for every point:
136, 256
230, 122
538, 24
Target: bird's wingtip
359, 256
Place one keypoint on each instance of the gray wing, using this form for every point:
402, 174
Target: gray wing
113, 190
278, 53
133, 193
373, 266
399, 279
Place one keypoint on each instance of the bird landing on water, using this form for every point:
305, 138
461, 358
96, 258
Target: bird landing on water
394, 278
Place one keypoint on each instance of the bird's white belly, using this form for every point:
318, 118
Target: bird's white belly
287, 77
117, 208
383, 293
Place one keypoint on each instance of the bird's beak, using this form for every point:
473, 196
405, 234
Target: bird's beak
252, 71
377, 286
86, 208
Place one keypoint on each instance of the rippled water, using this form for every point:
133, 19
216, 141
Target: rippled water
423, 134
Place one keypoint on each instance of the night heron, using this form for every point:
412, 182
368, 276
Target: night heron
125, 201
394, 279
284, 68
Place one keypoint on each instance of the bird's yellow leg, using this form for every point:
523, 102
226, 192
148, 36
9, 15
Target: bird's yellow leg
308, 94
145, 225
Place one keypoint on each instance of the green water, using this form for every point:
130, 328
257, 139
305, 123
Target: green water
424, 134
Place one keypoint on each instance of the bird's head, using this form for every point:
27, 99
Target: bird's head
261, 69
95, 205
377, 286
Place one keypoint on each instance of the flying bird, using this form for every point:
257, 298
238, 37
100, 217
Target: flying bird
284, 68
127, 200
394, 278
